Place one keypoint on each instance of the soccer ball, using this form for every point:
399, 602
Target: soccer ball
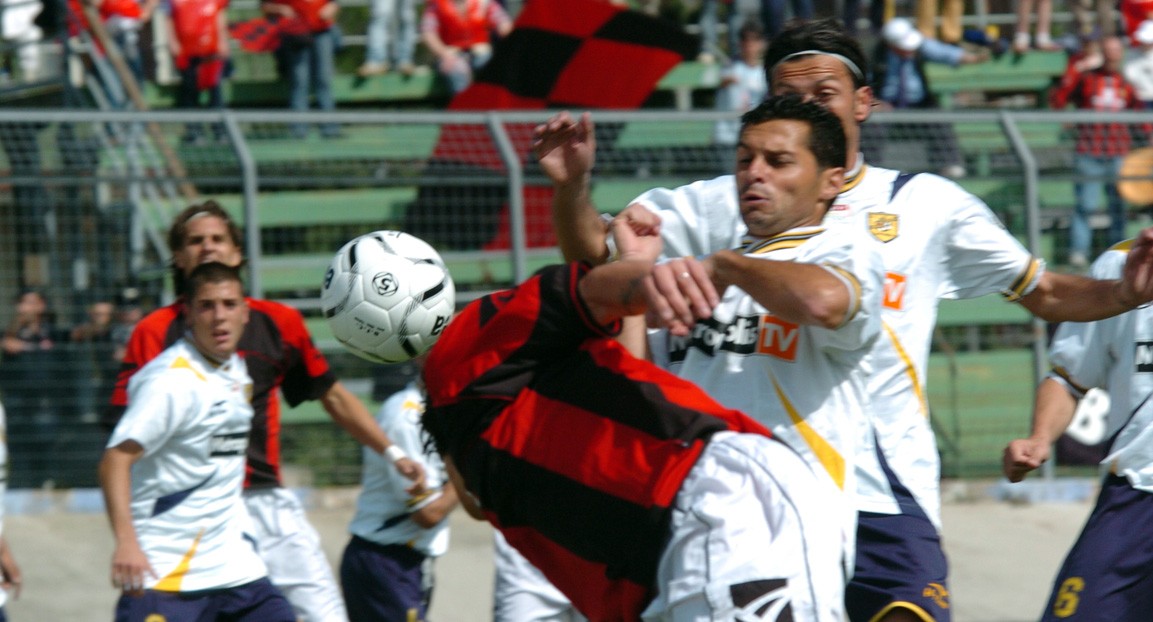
387, 296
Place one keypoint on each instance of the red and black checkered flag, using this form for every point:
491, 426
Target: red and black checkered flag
560, 54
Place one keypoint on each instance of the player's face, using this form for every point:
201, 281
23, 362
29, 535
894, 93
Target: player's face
217, 318
779, 183
206, 239
827, 81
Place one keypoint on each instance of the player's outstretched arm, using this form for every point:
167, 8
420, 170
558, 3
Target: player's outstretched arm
13, 579
1074, 298
432, 514
1052, 414
349, 412
130, 565
619, 289
566, 150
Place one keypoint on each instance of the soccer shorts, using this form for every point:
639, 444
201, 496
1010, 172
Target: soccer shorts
290, 547
900, 565
1108, 574
521, 592
754, 535
385, 581
257, 601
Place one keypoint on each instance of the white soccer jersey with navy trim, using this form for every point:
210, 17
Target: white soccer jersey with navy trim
383, 508
192, 418
936, 241
805, 383
1117, 355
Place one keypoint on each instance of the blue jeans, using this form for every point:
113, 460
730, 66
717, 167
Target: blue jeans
310, 68
773, 14
733, 20
380, 28
1095, 173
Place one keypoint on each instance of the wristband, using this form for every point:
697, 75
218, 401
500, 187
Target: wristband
394, 453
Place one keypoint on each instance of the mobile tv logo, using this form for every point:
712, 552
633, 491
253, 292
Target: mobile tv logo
228, 445
744, 335
894, 291
1143, 357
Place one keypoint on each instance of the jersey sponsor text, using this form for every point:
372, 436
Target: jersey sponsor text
747, 334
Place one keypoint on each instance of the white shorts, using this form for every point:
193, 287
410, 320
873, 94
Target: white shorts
753, 533
290, 547
522, 593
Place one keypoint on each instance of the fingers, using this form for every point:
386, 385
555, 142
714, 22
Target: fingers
679, 292
641, 220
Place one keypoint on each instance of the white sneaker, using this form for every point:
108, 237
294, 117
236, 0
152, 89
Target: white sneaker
1078, 260
372, 69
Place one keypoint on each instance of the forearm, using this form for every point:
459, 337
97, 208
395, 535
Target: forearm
1073, 298
1053, 411
581, 234
803, 293
349, 413
616, 290
432, 514
115, 484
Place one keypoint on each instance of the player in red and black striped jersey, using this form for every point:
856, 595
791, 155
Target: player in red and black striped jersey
634, 492
280, 356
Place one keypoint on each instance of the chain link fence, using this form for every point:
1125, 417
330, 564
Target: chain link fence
91, 195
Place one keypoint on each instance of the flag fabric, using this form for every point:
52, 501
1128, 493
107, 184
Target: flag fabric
256, 35
560, 54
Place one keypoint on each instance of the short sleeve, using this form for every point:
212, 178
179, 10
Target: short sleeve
1082, 353
698, 219
158, 406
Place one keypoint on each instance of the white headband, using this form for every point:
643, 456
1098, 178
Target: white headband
853, 68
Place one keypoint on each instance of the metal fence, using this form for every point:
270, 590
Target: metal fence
92, 193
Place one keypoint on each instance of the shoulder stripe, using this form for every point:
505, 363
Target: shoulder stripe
1123, 247
899, 182
182, 363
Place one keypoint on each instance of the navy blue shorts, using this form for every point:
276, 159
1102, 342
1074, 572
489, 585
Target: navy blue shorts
900, 564
384, 582
258, 601
1108, 574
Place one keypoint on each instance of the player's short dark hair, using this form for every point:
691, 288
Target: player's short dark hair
819, 35
210, 273
178, 233
826, 135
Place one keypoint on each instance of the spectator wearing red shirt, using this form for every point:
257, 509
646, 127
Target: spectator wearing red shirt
459, 35
198, 40
308, 52
1100, 146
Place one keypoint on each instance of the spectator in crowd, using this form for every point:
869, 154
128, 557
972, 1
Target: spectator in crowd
390, 21
19, 31
1133, 13
710, 51
95, 359
458, 33
386, 570
773, 14
125, 19
1139, 70
742, 87
128, 314
31, 372
308, 41
11, 578
1100, 146
1043, 38
198, 39
900, 69
950, 11
174, 468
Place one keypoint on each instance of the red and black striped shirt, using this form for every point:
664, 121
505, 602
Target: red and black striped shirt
575, 449
280, 355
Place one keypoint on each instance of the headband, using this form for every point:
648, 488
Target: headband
853, 68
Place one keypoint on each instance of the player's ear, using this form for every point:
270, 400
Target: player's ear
862, 103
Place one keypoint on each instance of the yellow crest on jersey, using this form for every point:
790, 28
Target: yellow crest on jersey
155, 617
883, 226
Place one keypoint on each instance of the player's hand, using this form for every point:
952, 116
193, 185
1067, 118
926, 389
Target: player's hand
636, 238
130, 569
1136, 285
565, 147
13, 579
1023, 455
412, 471
679, 293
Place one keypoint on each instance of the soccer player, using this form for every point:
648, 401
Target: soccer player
173, 469
386, 569
1108, 574
936, 241
634, 493
281, 357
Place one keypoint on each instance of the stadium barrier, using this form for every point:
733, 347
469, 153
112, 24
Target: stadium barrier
91, 195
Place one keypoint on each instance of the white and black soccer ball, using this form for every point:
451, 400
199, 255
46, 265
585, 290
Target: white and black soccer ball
387, 296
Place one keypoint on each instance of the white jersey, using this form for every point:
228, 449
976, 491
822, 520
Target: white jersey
1115, 354
805, 383
192, 418
383, 508
936, 241
3, 480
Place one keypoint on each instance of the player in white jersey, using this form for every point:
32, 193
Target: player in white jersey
386, 569
1108, 574
173, 470
10, 576
935, 239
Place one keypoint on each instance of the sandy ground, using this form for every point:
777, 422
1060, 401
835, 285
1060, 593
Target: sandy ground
1003, 555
